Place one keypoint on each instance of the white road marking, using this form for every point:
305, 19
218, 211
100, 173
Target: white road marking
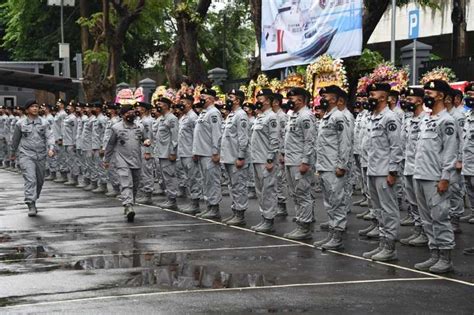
162, 293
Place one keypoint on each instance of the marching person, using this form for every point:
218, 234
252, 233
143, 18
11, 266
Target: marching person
235, 155
333, 152
111, 173
187, 123
69, 142
58, 136
165, 150
98, 128
467, 145
3, 136
125, 147
384, 157
435, 161
206, 149
34, 140
299, 161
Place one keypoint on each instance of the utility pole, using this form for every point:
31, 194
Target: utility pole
392, 43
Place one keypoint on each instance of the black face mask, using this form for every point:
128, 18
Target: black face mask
259, 105
67, 111
108, 114
372, 104
469, 102
41, 112
429, 101
130, 118
365, 105
180, 106
159, 109
317, 115
358, 104
202, 102
324, 104
403, 105
229, 104
290, 105
411, 107
153, 115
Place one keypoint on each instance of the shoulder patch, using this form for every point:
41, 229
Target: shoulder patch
243, 123
392, 126
340, 126
461, 123
306, 124
449, 131
214, 119
273, 123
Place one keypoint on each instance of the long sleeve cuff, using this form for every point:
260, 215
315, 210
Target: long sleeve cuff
446, 175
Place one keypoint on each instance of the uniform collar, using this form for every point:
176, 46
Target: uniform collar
36, 121
328, 114
382, 113
441, 113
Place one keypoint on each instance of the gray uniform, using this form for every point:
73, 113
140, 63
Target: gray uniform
187, 123
98, 128
264, 145
51, 162
58, 136
81, 158
251, 176
3, 139
147, 177
111, 173
333, 151
166, 144
360, 130
349, 176
206, 142
87, 146
435, 159
125, 147
467, 145
299, 148
32, 139
412, 134
384, 156
457, 187
235, 142
282, 118
69, 142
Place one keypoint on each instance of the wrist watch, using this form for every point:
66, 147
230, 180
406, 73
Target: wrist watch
269, 161
240, 159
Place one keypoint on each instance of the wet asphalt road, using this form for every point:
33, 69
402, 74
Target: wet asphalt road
80, 256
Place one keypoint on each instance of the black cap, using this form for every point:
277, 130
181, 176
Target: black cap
145, 105
210, 92
164, 100
61, 101
240, 94
438, 85
418, 92
403, 91
29, 103
95, 103
249, 105
125, 108
265, 92
332, 89
385, 87
394, 93
278, 97
469, 87
187, 96
456, 92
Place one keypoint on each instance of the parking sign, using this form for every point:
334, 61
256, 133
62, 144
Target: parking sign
413, 24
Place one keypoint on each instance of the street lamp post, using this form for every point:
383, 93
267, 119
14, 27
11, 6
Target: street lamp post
392, 43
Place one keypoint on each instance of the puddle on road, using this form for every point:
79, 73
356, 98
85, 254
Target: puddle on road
175, 271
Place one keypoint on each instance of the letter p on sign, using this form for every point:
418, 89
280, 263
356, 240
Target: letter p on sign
413, 24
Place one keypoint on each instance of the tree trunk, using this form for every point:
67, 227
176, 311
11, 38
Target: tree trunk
172, 64
84, 12
458, 17
255, 64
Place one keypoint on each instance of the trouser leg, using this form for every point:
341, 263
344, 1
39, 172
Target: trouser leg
281, 183
147, 179
168, 171
211, 180
389, 222
302, 193
28, 168
333, 192
456, 202
265, 187
411, 198
191, 168
237, 186
127, 179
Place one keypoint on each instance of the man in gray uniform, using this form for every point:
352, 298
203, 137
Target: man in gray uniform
98, 130
282, 118
264, 145
206, 149
165, 150
360, 129
124, 146
414, 104
435, 161
58, 136
3, 136
384, 157
299, 161
86, 145
235, 155
69, 142
82, 117
467, 144
457, 187
333, 152
33, 139
111, 173
187, 123
147, 177
51, 162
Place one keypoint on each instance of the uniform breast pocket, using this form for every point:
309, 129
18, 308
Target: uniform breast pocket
137, 133
26, 131
41, 130
123, 137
